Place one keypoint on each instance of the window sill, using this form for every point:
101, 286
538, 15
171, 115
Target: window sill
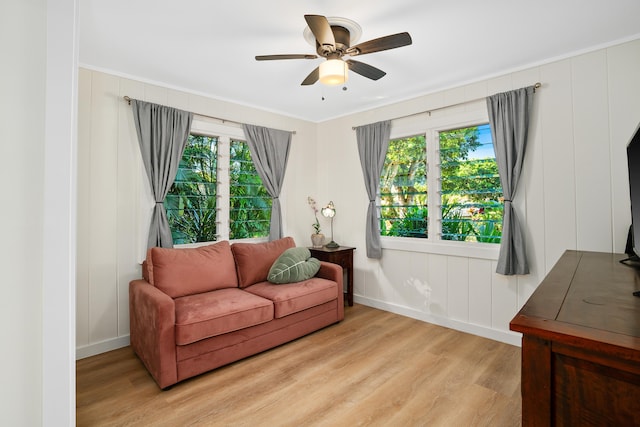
488, 251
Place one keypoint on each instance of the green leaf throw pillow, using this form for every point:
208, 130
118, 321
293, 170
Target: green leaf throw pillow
294, 265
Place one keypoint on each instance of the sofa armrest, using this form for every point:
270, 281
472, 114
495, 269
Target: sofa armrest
152, 330
331, 271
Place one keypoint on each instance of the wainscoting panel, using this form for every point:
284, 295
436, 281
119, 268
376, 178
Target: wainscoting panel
623, 63
458, 288
593, 152
83, 220
101, 245
558, 165
480, 274
437, 278
131, 181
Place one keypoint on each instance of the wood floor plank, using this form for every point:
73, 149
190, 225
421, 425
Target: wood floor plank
373, 369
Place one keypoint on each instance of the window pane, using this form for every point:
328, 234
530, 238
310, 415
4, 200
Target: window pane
191, 201
471, 195
250, 210
403, 189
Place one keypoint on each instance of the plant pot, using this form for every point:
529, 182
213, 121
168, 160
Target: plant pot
317, 240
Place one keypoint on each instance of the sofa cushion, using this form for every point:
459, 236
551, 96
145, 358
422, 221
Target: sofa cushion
294, 297
253, 260
180, 272
218, 312
294, 265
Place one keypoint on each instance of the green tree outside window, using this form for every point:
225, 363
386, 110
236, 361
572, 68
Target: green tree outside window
250, 204
403, 189
191, 201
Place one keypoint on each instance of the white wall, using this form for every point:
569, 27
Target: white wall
59, 225
21, 163
113, 195
573, 194
37, 105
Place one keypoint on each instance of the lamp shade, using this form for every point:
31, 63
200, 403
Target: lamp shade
329, 211
333, 72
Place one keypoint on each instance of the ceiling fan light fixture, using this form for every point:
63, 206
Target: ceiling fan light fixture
333, 72
333, 38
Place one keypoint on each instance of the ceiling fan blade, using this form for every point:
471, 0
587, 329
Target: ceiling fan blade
319, 26
312, 77
383, 43
276, 57
365, 70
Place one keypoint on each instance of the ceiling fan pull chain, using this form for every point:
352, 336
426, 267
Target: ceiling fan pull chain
344, 75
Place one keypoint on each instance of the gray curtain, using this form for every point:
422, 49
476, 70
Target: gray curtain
373, 141
509, 120
163, 133
270, 152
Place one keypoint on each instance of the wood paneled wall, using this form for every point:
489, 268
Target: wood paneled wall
114, 200
573, 193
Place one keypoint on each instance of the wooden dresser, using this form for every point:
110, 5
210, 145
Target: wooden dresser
581, 344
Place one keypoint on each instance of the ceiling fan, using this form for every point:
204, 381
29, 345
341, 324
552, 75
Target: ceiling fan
332, 43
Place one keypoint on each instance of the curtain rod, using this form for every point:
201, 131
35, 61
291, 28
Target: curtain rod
126, 98
538, 85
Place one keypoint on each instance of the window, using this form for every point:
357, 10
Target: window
403, 189
217, 193
470, 191
191, 201
460, 165
250, 204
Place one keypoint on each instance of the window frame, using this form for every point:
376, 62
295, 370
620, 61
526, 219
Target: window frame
430, 126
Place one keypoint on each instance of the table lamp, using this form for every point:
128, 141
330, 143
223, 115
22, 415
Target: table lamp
329, 211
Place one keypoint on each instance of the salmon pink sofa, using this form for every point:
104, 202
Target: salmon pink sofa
200, 308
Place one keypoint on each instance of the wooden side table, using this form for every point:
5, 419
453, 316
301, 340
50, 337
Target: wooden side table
343, 256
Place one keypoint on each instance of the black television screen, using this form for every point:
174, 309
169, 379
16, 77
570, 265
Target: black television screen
633, 162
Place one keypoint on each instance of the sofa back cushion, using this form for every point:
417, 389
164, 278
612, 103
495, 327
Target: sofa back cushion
181, 272
253, 260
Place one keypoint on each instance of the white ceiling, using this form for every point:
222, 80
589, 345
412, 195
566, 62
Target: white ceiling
208, 46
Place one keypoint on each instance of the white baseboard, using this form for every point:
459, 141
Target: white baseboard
101, 347
508, 337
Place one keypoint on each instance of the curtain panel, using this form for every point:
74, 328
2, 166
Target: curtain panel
270, 152
373, 142
163, 133
509, 120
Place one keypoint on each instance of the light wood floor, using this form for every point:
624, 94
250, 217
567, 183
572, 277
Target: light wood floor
373, 369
